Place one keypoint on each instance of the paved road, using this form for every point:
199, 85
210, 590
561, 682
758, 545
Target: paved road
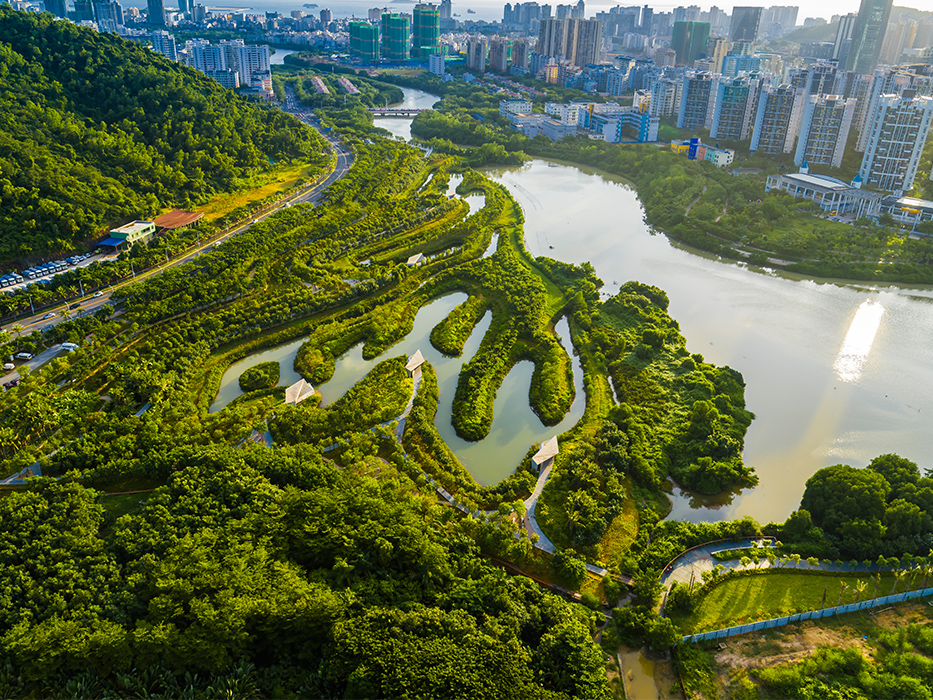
312, 195
35, 362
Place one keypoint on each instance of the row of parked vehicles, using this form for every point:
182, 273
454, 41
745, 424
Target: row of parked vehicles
44, 270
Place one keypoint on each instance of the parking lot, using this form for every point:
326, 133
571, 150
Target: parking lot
20, 280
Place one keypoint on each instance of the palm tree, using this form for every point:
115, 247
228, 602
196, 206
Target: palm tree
841, 591
860, 587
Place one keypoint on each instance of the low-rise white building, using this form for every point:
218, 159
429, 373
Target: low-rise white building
507, 107
834, 196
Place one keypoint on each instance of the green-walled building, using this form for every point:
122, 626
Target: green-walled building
689, 39
396, 36
364, 41
426, 35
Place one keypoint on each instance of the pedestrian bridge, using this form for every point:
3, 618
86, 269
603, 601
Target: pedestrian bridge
396, 112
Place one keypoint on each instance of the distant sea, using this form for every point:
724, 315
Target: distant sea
491, 10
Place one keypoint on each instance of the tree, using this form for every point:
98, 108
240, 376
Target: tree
896, 470
568, 568
840, 494
661, 634
797, 525
860, 587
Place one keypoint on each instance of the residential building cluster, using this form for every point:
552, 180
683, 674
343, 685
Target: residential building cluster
604, 121
232, 63
707, 71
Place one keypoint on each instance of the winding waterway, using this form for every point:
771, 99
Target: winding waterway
835, 372
515, 426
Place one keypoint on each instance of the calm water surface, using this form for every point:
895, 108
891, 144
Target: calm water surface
414, 99
834, 373
278, 58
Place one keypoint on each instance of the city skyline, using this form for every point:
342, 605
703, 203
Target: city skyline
492, 9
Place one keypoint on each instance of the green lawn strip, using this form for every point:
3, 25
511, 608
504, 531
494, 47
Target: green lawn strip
122, 504
768, 595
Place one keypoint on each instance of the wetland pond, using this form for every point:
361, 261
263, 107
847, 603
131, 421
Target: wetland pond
835, 372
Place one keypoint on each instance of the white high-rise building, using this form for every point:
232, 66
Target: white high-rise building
777, 120
665, 97
436, 64
888, 81
824, 130
164, 43
206, 58
898, 132
252, 59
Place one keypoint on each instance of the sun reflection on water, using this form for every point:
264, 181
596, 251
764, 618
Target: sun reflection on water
859, 339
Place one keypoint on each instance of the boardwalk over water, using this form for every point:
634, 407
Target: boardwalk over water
397, 112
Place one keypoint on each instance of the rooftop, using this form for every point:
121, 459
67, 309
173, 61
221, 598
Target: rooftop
298, 392
177, 218
135, 227
548, 450
415, 361
909, 203
829, 183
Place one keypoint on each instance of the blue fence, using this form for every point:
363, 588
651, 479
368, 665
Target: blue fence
813, 615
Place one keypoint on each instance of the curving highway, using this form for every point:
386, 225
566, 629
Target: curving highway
92, 302
311, 194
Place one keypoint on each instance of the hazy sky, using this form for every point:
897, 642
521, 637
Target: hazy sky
824, 8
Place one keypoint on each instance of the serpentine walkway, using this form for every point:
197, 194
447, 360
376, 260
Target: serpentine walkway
530, 521
691, 564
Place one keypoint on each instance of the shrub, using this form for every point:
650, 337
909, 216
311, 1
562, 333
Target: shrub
262, 376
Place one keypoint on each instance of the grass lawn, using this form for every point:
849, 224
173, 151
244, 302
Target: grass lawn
621, 533
405, 72
123, 504
761, 597
278, 179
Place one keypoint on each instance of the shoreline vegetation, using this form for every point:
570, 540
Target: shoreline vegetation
167, 551
694, 203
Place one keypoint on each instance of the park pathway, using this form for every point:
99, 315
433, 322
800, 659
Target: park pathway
690, 565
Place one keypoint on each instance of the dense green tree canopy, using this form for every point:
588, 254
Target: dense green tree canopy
95, 130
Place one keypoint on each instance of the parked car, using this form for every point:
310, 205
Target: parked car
8, 366
24, 356
68, 347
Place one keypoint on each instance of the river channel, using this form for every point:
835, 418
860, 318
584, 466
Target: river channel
835, 372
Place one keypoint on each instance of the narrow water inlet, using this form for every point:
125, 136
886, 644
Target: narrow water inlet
638, 676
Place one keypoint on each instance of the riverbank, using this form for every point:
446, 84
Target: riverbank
698, 204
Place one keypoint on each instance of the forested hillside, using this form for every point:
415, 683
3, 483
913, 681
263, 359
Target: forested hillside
95, 130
